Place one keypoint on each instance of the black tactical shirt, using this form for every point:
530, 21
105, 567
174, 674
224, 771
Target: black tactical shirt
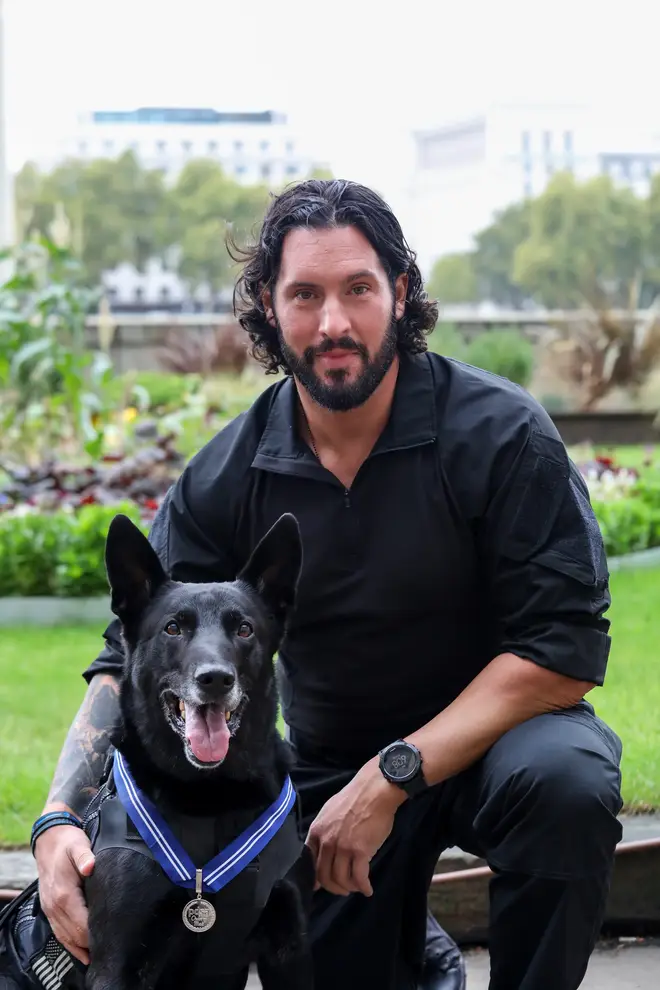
466, 533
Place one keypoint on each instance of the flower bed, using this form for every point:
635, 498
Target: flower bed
626, 502
60, 553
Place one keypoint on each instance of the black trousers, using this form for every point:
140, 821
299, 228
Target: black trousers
540, 807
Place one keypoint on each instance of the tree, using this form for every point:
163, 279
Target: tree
594, 247
453, 280
115, 209
206, 206
120, 212
493, 257
587, 245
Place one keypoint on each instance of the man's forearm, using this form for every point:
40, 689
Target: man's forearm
506, 693
86, 746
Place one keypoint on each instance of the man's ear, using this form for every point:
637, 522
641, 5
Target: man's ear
134, 570
269, 309
274, 568
400, 295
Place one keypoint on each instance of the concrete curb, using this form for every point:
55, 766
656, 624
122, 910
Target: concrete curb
641, 558
43, 611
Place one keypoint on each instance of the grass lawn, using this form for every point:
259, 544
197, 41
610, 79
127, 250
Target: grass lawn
41, 688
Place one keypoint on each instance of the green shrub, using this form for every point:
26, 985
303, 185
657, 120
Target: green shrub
628, 524
29, 547
503, 352
153, 390
448, 341
647, 488
58, 554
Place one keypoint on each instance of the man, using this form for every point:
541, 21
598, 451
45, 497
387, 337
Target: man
451, 602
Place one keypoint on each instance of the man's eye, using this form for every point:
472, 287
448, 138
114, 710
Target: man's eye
304, 294
360, 290
173, 628
244, 630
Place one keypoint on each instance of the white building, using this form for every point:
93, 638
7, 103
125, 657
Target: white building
251, 146
467, 170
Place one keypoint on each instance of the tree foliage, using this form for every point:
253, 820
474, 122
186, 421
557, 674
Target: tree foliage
119, 211
453, 280
593, 244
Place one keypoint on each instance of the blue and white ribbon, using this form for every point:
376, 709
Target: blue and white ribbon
169, 852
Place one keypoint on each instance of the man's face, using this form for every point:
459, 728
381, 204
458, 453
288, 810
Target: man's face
335, 314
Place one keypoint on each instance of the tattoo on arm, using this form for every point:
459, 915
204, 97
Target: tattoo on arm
83, 755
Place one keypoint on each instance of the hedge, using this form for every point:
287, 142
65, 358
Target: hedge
58, 554
61, 554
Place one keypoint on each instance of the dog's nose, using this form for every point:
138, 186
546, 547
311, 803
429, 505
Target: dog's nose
215, 678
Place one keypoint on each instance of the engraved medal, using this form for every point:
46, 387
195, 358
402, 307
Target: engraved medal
199, 914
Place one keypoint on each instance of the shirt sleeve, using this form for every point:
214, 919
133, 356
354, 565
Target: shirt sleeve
187, 533
547, 569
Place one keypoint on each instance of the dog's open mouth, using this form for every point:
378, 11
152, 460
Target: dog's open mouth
206, 730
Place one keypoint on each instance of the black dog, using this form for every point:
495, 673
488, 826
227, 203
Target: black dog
198, 757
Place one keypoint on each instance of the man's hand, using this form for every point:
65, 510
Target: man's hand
350, 829
64, 856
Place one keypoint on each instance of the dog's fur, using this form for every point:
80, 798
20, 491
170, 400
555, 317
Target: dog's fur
137, 936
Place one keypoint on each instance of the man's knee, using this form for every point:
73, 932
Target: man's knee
558, 802
571, 783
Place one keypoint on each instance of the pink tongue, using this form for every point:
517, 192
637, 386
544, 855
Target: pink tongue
207, 732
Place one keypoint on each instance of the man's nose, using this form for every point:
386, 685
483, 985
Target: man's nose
334, 319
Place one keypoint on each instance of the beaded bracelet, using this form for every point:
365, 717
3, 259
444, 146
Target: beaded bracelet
49, 820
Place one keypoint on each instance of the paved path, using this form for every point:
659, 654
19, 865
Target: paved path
614, 966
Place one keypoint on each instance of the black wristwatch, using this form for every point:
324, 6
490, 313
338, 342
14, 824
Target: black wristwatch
401, 764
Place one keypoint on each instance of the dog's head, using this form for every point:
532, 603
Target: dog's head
199, 656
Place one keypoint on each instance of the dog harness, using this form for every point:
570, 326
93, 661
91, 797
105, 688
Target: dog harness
240, 901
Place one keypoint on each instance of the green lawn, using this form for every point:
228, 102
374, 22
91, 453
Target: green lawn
41, 688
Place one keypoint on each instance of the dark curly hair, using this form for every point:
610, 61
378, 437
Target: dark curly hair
327, 203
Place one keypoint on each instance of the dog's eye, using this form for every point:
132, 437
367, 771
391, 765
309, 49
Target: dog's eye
244, 630
173, 629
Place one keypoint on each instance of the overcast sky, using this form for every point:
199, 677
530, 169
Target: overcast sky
356, 74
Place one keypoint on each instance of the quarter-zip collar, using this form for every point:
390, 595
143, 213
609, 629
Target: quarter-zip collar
412, 422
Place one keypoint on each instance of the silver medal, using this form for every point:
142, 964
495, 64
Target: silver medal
199, 915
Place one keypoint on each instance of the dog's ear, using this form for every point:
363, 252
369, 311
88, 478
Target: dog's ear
274, 567
134, 571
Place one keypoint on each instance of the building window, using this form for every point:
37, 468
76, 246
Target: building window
186, 147
108, 147
238, 147
568, 142
547, 142
164, 294
292, 170
161, 147
139, 294
265, 145
265, 171
525, 142
240, 170
213, 147
82, 148
289, 147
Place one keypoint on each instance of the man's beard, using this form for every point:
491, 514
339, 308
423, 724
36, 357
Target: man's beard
337, 394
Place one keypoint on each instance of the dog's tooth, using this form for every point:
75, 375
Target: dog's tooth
182, 708
227, 716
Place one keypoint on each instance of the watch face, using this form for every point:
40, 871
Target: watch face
400, 762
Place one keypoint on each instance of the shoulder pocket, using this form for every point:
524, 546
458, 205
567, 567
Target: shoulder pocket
531, 499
